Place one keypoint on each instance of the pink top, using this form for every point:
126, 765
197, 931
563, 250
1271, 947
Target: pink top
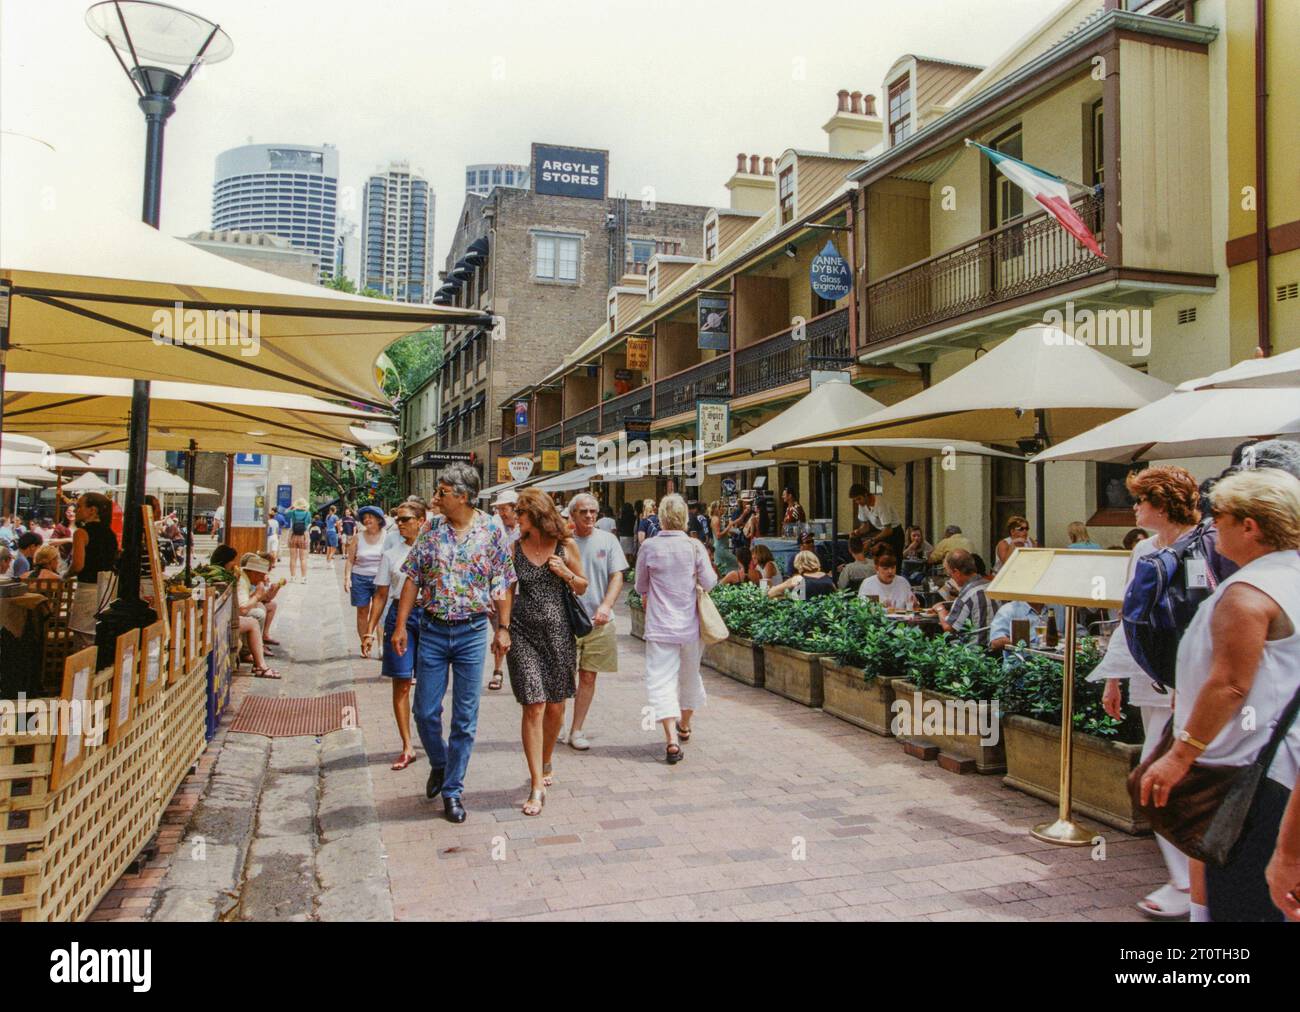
668, 567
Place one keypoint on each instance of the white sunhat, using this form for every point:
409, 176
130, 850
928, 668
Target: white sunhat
507, 498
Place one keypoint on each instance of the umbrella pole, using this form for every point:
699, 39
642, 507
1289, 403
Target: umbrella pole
132, 518
189, 510
835, 504
1040, 515
230, 498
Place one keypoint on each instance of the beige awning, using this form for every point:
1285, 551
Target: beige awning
993, 399
214, 441
96, 291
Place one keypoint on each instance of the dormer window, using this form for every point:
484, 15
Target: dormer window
652, 282
711, 241
613, 307
900, 110
786, 191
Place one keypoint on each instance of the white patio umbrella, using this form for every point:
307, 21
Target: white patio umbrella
87, 482
1187, 423
162, 481
1276, 371
8, 482
28, 472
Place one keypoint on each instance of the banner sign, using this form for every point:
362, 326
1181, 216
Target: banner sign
638, 353
251, 462
441, 458
503, 470
521, 415
830, 273
715, 323
728, 487
569, 172
284, 495
712, 422
520, 467
622, 374
550, 460
586, 450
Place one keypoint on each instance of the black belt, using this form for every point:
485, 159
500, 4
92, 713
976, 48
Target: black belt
455, 621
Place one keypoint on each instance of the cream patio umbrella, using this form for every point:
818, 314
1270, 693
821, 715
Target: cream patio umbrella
88, 482
1187, 423
1276, 371
163, 481
1037, 385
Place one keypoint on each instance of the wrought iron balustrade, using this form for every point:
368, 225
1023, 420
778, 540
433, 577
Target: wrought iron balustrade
780, 359
679, 392
635, 404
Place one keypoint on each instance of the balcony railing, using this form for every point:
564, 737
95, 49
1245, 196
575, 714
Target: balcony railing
1016, 259
549, 437
516, 444
679, 392
584, 423
631, 405
780, 359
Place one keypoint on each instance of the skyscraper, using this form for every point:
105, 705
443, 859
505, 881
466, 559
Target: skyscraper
397, 234
289, 190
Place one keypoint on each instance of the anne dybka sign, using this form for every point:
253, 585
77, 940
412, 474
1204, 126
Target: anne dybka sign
569, 172
829, 274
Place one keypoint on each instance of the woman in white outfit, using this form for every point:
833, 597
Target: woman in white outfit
1241, 654
1166, 504
668, 569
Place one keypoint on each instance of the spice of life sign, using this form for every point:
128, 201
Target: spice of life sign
712, 419
569, 172
830, 274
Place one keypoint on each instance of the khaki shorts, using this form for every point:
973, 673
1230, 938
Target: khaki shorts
598, 650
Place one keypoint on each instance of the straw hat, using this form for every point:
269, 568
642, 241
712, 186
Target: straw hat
300, 504
251, 562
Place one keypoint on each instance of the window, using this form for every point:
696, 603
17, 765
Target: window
613, 312
787, 195
557, 258
1098, 146
496, 177
482, 177
711, 241
637, 255
900, 110
652, 282
510, 177
1008, 201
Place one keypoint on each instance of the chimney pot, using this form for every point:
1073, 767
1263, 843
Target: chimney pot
740, 162
869, 104
843, 96
767, 166
753, 165
855, 102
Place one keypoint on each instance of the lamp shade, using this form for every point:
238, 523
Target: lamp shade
159, 32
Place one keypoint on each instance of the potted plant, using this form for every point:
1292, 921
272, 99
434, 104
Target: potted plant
738, 656
1105, 750
794, 635
858, 674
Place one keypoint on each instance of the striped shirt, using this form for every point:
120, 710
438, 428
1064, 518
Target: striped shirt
973, 606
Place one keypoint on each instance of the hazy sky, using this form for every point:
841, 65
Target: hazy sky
673, 88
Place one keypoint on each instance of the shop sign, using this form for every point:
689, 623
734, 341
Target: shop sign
712, 421
569, 172
586, 450
638, 353
715, 324
550, 460
521, 415
830, 274
520, 467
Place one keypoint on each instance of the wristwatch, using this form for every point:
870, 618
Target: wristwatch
1183, 736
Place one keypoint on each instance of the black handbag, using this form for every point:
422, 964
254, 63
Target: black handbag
579, 620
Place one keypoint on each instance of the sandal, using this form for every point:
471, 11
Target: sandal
536, 799
675, 756
265, 672
403, 761
1168, 903
270, 642
497, 681
684, 733
548, 777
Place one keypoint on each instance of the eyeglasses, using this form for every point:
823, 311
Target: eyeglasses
402, 520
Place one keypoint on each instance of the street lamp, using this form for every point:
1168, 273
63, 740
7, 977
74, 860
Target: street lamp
161, 34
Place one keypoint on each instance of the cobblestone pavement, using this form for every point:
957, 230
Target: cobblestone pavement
778, 812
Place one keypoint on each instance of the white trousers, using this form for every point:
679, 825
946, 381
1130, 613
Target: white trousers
1154, 719
672, 678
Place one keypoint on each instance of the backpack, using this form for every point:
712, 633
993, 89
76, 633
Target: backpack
1159, 606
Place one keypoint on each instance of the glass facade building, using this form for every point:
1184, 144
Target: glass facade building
397, 210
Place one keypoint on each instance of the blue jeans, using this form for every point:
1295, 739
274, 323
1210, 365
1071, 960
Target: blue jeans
460, 648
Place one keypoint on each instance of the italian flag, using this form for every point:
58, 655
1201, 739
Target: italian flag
1052, 192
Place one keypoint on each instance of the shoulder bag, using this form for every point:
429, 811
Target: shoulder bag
712, 627
1207, 810
579, 621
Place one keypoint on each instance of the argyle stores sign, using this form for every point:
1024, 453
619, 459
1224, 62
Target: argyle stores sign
570, 172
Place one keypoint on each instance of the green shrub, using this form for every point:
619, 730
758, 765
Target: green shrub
740, 605
1032, 688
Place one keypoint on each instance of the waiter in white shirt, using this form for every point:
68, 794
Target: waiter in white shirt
877, 522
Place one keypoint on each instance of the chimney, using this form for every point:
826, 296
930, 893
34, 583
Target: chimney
854, 129
749, 190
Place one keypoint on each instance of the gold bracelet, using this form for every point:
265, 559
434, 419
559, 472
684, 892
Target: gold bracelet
1183, 736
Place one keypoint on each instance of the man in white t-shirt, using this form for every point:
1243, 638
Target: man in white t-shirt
877, 522
604, 564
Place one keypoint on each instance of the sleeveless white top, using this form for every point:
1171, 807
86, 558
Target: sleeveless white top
366, 562
1276, 680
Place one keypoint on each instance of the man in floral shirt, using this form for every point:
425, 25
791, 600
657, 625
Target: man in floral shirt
458, 569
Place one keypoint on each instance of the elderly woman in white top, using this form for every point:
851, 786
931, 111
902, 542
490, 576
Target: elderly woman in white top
668, 569
1239, 656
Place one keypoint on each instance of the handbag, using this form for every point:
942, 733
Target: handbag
712, 627
1207, 810
579, 621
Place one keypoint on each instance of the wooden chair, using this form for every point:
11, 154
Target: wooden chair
58, 634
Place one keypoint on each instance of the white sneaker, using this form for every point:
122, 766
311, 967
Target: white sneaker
578, 740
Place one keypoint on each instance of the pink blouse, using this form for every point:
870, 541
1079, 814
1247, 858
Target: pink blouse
668, 567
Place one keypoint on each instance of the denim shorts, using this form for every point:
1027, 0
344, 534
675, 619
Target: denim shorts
363, 589
403, 666
332, 539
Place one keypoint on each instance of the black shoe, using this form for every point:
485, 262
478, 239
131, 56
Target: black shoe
434, 785
676, 756
454, 809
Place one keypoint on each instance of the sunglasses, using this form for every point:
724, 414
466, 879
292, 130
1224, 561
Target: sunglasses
402, 520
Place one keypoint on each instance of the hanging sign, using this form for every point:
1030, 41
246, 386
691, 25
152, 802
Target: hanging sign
284, 495
520, 467
503, 470
585, 450
550, 460
638, 353
830, 273
712, 419
521, 414
715, 324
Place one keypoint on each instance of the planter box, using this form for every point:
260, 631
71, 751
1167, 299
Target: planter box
988, 758
737, 658
638, 621
1100, 771
793, 673
850, 696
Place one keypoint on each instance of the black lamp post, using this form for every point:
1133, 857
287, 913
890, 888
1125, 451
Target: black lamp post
165, 35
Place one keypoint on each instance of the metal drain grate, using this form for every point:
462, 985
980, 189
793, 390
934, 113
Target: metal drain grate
294, 717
